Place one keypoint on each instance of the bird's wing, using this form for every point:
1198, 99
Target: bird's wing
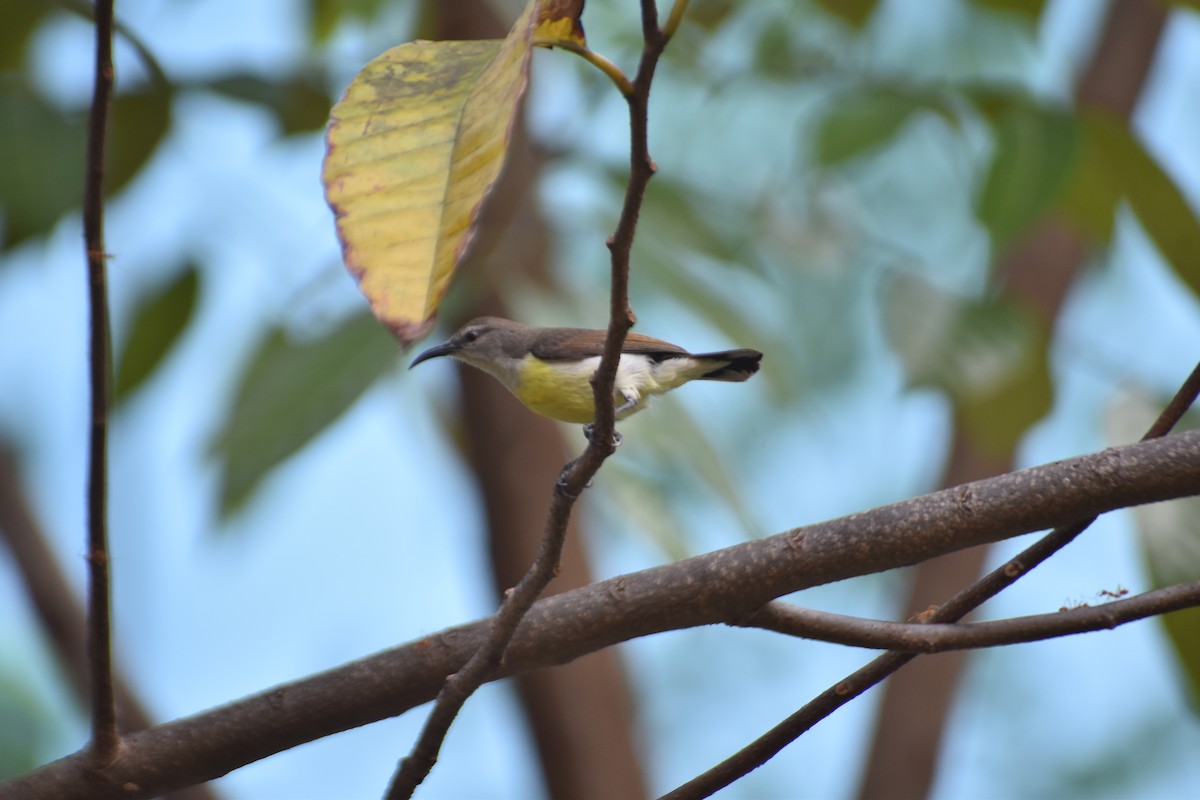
571, 344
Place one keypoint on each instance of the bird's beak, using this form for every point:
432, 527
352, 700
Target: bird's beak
449, 348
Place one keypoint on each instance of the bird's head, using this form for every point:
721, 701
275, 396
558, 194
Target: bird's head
484, 342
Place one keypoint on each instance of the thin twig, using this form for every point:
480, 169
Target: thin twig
918, 637
105, 740
674, 18
487, 659
773, 741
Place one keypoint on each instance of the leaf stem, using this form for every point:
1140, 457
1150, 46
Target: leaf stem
614, 73
674, 18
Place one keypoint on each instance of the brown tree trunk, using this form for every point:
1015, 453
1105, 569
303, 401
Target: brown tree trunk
1039, 270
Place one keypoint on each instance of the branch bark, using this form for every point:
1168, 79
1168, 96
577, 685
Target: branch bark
1039, 271
482, 667
917, 637
958, 606
105, 740
719, 587
580, 715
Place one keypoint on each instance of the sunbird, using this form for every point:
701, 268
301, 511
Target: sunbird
549, 369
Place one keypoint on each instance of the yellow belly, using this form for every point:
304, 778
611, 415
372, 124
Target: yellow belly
562, 391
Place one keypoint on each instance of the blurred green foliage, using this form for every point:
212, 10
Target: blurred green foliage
775, 258
293, 388
157, 323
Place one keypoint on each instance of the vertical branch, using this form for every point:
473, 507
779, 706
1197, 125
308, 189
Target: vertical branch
99, 639
620, 243
575, 476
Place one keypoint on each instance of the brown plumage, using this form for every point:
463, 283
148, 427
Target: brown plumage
549, 369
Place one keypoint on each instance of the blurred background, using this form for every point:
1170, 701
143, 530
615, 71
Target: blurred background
964, 233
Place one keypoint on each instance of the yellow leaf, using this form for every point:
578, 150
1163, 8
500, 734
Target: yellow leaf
413, 147
560, 20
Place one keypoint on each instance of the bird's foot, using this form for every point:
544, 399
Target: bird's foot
590, 428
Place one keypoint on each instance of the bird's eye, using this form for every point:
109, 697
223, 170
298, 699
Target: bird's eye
470, 336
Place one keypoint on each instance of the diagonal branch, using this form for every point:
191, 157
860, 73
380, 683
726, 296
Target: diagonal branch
99, 641
485, 662
917, 637
964, 602
713, 588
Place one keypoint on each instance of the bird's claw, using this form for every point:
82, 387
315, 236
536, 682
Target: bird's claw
590, 428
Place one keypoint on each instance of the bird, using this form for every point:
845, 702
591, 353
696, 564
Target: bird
549, 369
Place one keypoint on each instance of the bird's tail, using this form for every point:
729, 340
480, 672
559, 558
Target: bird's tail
730, 365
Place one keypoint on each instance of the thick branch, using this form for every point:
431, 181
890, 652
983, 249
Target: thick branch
962, 603
713, 588
916, 637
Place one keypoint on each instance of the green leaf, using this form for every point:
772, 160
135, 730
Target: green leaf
858, 125
709, 14
1035, 155
290, 392
20, 20
140, 121
46, 181
987, 355
853, 12
300, 103
1159, 205
1031, 10
1090, 198
863, 121
156, 326
326, 14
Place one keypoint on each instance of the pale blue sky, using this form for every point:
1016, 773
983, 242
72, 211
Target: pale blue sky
337, 555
